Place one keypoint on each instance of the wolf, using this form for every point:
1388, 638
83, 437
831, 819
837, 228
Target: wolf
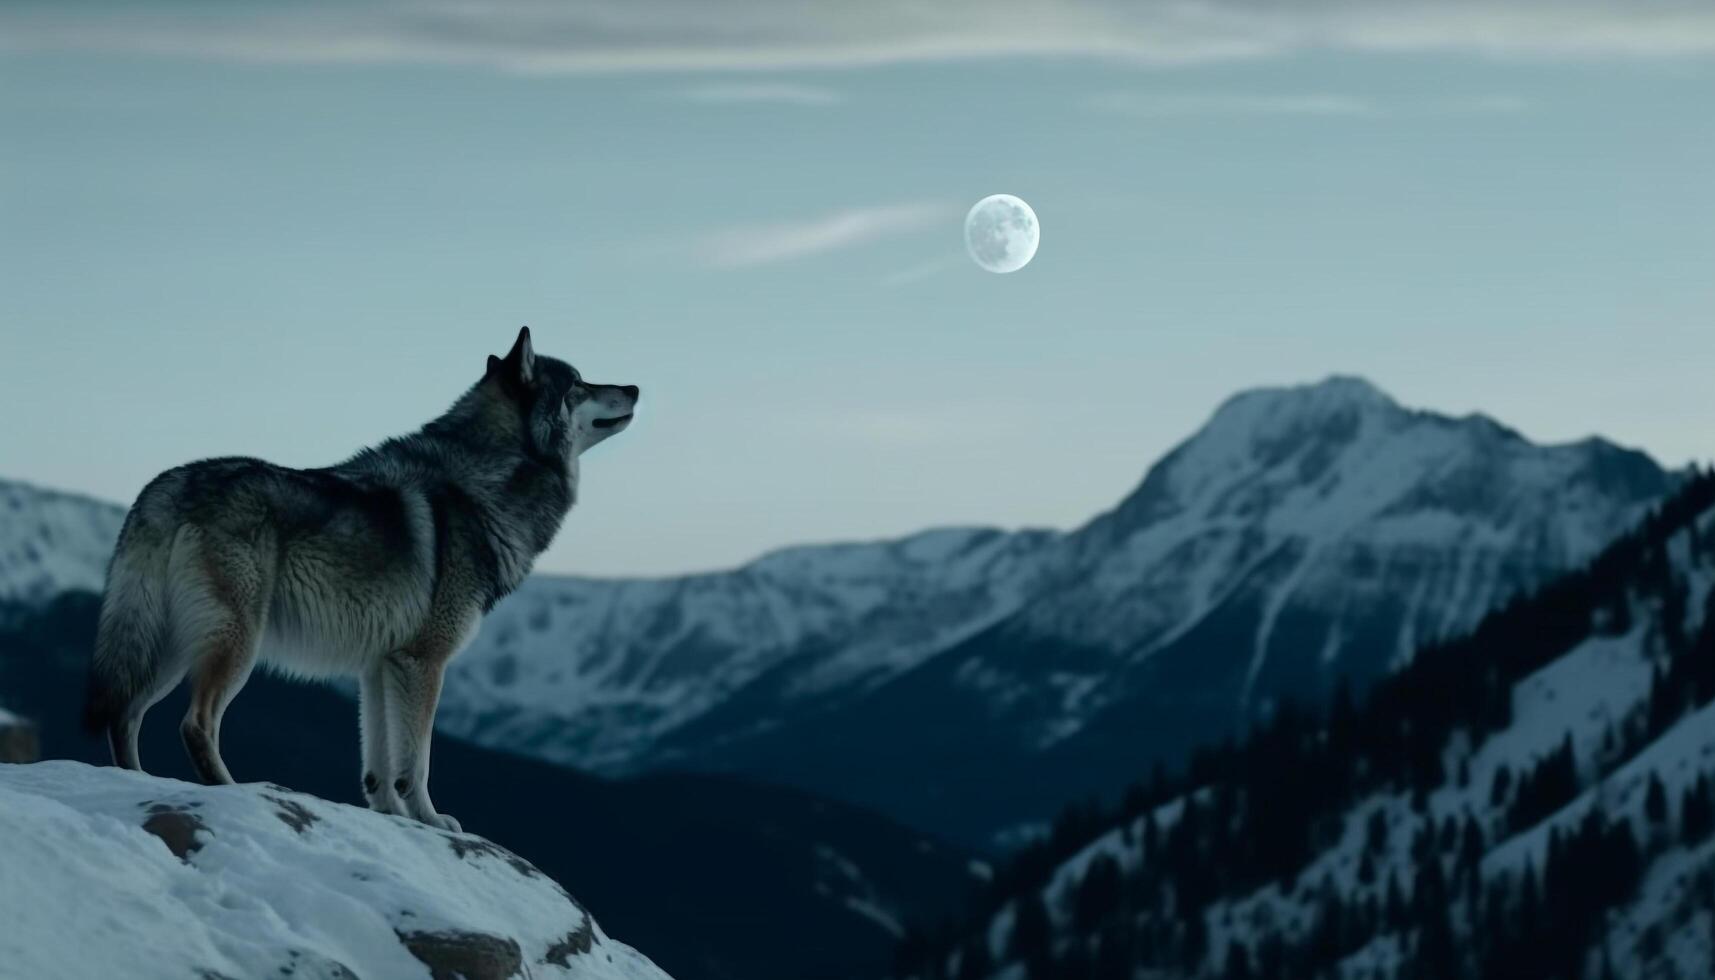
379, 568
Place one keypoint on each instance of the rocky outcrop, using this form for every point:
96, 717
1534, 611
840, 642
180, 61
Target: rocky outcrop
131, 875
18, 739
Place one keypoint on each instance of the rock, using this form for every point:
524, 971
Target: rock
18, 739
465, 955
131, 875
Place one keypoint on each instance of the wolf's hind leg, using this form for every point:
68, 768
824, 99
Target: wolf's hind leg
122, 731
228, 654
373, 711
224, 630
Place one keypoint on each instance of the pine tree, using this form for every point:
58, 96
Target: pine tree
1238, 961
1500, 786
1697, 817
1393, 905
1032, 932
1470, 847
1375, 831
975, 963
1098, 895
1366, 869
1655, 804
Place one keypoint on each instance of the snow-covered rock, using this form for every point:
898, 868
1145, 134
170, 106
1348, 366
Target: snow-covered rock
109, 873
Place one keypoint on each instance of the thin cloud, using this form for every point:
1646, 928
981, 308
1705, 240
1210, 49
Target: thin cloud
1182, 104
1486, 105
533, 36
1171, 104
758, 93
755, 245
926, 269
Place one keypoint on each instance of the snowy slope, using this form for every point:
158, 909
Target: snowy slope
107, 873
1333, 530
51, 542
594, 671
1631, 695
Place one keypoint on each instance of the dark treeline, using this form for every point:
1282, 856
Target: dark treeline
1256, 811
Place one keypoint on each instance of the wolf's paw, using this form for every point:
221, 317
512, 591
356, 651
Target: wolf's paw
390, 805
444, 822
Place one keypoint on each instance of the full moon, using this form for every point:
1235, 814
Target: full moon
1001, 233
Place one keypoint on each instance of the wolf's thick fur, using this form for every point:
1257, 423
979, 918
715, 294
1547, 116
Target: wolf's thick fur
379, 568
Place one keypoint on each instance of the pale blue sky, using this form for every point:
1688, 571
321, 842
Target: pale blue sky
292, 257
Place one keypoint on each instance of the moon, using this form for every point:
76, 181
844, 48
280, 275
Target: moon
1001, 233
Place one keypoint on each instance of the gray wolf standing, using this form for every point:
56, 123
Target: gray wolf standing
379, 568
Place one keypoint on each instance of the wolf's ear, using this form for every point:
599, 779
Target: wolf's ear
519, 364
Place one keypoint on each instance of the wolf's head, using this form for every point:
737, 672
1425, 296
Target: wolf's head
562, 413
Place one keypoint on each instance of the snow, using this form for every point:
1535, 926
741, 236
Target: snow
594, 672
1113, 844
1070, 874
1603, 680
270, 882
51, 542
1665, 904
1595, 683
1354, 505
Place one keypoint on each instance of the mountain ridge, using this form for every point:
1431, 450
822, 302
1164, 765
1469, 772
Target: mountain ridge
1535, 798
1266, 557
1296, 525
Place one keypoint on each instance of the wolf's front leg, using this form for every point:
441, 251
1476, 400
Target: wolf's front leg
377, 743
413, 690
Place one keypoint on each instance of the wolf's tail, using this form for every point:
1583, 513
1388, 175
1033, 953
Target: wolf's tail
131, 635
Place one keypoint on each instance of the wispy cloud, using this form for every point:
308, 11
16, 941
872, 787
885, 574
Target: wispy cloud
923, 270
641, 35
771, 93
1194, 104
782, 242
1169, 104
1484, 105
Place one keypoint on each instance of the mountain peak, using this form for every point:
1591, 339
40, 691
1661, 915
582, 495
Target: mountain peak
1338, 469
1333, 392
1265, 424
1337, 394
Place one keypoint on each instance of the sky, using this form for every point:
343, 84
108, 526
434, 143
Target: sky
292, 231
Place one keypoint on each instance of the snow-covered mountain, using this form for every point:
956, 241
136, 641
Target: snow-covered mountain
970, 680
596, 671
111, 873
1537, 799
1303, 536
52, 542
1333, 509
